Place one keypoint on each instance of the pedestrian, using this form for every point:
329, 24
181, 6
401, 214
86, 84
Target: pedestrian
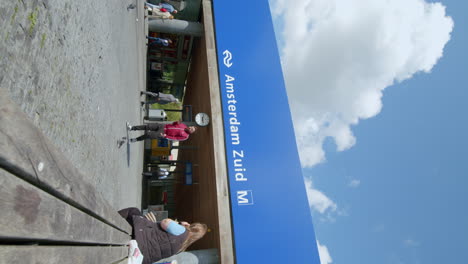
159, 41
160, 98
159, 13
158, 240
161, 173
176, 131
170, 8
163, 7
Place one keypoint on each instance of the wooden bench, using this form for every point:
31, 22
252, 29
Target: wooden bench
48, 213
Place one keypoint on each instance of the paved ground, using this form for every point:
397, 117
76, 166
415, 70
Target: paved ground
75, 67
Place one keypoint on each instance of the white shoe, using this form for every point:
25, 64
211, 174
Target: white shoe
129, 127
120, 142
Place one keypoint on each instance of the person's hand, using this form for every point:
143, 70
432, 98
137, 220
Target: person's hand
150, 216
165, 223
163, 135
183, 223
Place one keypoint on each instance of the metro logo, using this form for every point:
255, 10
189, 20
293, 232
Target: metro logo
227, 58
245, 197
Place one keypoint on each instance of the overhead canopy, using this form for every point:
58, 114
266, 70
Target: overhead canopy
269, 207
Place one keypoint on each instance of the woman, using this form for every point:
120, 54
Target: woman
158, 11
165, 7
161, 240
176, 131
161, 173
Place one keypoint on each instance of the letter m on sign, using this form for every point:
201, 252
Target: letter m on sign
245, 197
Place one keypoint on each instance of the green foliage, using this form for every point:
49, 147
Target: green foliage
43, 38
33, 20
13, 17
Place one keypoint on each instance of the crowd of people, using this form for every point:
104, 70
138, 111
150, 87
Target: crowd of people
160, 239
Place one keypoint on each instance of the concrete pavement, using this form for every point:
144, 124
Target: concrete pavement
76, 68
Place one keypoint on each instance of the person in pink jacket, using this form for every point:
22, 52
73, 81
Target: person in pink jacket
176, 131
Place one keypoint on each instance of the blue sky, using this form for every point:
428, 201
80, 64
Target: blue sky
391, 178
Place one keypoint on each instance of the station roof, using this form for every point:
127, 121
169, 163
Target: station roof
237, 228
207, 200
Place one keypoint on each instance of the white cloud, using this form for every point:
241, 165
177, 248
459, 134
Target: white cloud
325, 257
378, 228
318, 200
339, 56
410, 243
354, 183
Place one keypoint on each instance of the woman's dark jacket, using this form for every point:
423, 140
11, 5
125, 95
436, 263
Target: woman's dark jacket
153, 241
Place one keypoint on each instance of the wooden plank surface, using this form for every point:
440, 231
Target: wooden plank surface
28, 154
123, 261
208, 201
218, 151
32, 214
62, 254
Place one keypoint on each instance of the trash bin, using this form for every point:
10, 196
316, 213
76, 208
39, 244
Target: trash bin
157, 115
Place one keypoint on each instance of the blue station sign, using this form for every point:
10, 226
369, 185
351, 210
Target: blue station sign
271, 216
